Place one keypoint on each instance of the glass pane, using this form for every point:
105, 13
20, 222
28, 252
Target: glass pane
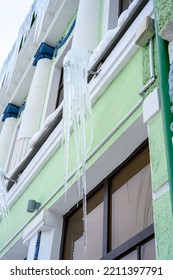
131, 256
131, 201
148, 250
74, 240
94, 238
124, 4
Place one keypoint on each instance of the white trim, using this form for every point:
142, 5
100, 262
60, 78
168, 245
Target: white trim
160, 191
151, 106
43, 222
109, 70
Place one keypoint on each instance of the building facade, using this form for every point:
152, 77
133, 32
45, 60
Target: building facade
129, 181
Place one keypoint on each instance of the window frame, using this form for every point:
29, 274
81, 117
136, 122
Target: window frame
131, 244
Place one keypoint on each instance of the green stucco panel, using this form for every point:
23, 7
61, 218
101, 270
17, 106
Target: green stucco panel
163, 223
164, 13
157, 152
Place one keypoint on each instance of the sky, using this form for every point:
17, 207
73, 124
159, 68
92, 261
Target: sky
12, 15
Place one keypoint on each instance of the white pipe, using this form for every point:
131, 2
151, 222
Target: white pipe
152, 74
151, 58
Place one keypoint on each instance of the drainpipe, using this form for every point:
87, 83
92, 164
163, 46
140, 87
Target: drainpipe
163, 62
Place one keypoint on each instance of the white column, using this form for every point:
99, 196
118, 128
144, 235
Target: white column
35, 102
31, 247
50, 225
9, 122
86, 33
5, 139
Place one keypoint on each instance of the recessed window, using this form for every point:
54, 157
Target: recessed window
60, 94
123, 5
113, 10
120, 216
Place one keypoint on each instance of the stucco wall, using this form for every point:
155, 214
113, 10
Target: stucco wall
163, 227
164, 13
157, 153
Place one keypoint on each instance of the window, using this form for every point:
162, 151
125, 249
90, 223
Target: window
120, 217
74, 240
112, 11
123, 5
60, 94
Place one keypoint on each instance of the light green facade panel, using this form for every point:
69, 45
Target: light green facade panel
164, 13
163, 227
157, 153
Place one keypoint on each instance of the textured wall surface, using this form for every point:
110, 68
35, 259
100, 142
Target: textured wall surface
163, 227
157, 153
164, 13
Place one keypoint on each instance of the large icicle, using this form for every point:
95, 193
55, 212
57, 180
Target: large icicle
38, 8
76, 113
4, 211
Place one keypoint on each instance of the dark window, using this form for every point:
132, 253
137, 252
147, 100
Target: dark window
123, 5
74, 239
120, 217
60, 94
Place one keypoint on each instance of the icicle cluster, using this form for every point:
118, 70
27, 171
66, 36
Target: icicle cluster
4, 211
76, 113
38, 8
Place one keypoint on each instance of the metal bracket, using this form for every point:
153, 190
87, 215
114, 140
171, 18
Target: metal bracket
94, 73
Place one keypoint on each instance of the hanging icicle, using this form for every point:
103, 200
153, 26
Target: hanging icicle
38, 9
4, 211
76, 113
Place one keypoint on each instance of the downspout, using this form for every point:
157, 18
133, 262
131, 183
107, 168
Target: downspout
163, 63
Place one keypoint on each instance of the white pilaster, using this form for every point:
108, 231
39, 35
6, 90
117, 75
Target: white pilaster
34, 106
5, 139
50, 224
31, 248
151, 105
86, 31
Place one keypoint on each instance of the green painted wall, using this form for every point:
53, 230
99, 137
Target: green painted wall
107, 113
163, 227
157, 152
163, 220
164, 13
